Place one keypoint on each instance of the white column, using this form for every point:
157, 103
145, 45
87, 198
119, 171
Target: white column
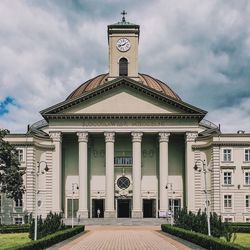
57, 173
83, 174
189, 171
109, 201
163, 173
137, 203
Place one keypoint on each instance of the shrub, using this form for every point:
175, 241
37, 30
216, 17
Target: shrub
205, 241
50, 225
50, 240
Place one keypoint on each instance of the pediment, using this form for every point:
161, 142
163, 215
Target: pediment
122, 96
119, 102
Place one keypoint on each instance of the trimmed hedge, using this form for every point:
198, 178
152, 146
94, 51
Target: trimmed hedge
6, 229
202, 240
50, 240
240, 227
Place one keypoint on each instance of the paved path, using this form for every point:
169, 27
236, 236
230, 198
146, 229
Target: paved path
124, 238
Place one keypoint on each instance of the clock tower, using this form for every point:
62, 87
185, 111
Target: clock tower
123, 39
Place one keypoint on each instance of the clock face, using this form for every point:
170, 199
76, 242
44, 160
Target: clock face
123, 44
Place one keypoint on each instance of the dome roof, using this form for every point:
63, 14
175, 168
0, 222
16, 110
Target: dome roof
146, 80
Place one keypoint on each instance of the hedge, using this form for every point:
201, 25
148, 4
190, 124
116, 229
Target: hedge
5, 229
202, 240
50, 240
240, 227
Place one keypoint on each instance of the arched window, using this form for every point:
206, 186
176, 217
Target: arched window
123, 67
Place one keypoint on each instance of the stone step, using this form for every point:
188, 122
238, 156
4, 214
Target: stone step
119, 221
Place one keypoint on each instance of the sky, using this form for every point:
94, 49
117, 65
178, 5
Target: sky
201, 49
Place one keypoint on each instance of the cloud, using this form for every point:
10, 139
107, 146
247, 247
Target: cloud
200, 48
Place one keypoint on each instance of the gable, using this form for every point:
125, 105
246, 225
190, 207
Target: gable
119, 102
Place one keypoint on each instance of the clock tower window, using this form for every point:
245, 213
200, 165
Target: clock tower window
123, 67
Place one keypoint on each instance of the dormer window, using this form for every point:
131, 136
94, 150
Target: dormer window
123, 67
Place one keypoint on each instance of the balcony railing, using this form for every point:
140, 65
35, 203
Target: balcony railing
123, 160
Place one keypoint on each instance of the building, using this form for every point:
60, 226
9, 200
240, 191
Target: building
126, 144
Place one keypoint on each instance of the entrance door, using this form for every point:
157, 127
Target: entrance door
148, 208
97, 204
123, 208
70, 207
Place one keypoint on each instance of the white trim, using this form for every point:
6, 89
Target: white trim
231, 155
228, 209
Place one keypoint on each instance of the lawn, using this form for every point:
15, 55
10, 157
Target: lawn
243, 239
11, 240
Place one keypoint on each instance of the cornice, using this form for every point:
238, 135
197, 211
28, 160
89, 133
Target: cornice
70, 116
221, 143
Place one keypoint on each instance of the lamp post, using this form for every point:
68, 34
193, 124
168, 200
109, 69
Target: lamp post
204, 170
172, 202
72, 205
37, 173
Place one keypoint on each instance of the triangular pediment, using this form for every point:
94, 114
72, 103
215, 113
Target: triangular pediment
122, 96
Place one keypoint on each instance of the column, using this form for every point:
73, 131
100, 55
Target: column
163, 173
109, 201
137, 203
189, 171
57, 172
83, 174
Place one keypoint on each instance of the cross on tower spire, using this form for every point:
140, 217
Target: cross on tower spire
123, 13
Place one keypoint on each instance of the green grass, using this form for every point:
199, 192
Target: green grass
12, 240
243, 239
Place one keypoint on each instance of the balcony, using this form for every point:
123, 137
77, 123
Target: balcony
121, 161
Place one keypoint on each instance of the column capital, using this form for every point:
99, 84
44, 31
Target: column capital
109, 136
82, 136
136, 136
164, 136
56, 136
191, 136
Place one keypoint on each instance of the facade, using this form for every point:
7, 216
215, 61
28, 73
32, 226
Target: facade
124, 144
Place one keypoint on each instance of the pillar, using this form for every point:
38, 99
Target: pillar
163, 173
189, 171
57, 172
83, 174
137, 202
109, 163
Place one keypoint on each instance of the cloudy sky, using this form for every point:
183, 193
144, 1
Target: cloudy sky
200, 48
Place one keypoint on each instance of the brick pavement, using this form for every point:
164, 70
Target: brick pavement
124, 238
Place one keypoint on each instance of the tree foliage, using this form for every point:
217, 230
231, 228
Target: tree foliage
11, 176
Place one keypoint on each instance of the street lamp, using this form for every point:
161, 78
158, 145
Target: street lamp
72, 205
172, 202
204, 170
37, 173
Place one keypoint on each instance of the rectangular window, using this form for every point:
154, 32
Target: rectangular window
247, 154
19, 203
20, 155
228, 219
227, 155
19, 221
227, 201
227, 178
247, 220
247, 201
247, 178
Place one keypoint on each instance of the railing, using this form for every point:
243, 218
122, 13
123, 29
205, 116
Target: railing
123, 160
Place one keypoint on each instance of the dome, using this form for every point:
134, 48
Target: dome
146, 80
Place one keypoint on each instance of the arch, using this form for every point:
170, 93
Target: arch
123, 67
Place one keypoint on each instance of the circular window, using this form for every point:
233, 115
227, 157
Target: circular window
123, 182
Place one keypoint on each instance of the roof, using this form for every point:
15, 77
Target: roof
145, 80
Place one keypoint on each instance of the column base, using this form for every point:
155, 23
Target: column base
137, 214
83, 214
162, 213
110, 214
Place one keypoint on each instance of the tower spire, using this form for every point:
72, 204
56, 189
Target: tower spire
123, 13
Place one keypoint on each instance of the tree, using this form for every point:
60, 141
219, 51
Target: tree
11, 176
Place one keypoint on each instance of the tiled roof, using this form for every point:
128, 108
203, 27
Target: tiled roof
146, 80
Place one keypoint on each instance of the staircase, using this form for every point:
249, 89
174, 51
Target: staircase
119, 221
